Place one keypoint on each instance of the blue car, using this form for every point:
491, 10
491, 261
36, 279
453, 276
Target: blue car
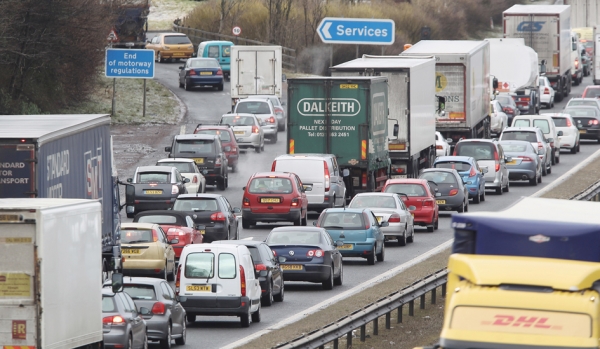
470, 173
359, 231
201, 72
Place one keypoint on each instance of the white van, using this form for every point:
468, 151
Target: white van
546, 124
321, 173
218, 280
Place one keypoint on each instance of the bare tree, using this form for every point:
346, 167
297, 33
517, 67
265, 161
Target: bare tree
226, 7
314, 12
279, 15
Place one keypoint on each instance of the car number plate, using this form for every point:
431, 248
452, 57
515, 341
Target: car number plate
346, 247
511, 162
198, 288
239, 132
178, 54
291, 267
398, 176
199, 160
131, 251
582, 131
379, 218
270, 200
440, 202
202, 232
152, 192
206, 73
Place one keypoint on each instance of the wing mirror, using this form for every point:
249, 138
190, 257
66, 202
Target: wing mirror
174, 242
281, 259
186, 180
145, 311
237, 210
560, 133
117, 282
411, 208
508, 158
384, 224
484, 169
243, 188
129, 180
339, 243
168, 149
315, 223
181, 68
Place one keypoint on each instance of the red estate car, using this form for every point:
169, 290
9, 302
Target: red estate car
176, 224
418, 194
228, 141
274, 197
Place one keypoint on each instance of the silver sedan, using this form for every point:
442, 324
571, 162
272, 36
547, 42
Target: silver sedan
389, 207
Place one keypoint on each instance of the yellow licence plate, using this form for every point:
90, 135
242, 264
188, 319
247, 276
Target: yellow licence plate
511, 162
152, 192
202, 232
131, 251
239, 132
199, 160
291, 267
582, 131
345, 247
205, 73
270, 200
198, 288
440, 202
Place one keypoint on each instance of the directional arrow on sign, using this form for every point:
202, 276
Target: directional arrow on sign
361, 31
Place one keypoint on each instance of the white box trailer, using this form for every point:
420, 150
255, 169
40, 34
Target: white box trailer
463, 78
411, 104
255, 70
50, 267
546, 29
596, 58
513, 64
584, 13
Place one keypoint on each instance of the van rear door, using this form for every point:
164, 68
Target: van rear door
311, 173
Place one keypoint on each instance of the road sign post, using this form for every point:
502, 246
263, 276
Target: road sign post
236, 31
358, 31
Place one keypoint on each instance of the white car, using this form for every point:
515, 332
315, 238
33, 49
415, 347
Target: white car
570, 134
442, 148
588, 102
546, 93
264, 111
499, 119
188, 169
389, 207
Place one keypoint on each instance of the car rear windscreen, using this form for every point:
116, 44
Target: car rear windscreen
310, 171
542, 124
223, 135
270, 185
132, 236
505, 100
459, 166
521, 123
408, 189
439, 177
204, 63
575, 112
477, 150
282, 237
516, 148
254, 107
183, 167
343, 220
227, 266
560, 122
195, 146
158, 219
238, 120
140, 291
177, 40
108, 304
199, 265
373, 201
153, 177
527, 136
591, 102
196, 204
592, 93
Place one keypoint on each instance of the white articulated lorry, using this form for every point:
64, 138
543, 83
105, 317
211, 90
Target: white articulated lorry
462, 77
255, 70
50, 292
412, 111
547, 30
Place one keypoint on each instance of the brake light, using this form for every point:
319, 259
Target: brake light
195, 179
295, 202
113, 320
246, 202
273, 166
219, 72
569, 124
154, 235
546, 91
315, 253
178, 279
242, 281
525, 158
366, 219
174, 189
274, 253
217, 216
595, 122
272, 120
508, 110
497, 159
576, 63
453, 192
193, 72
259, 267
428, 202
364, 179
254, 129
327, 184
540, 145
218, 162
158, 308
395, 218
455, 149
175, 231
472, 173
439, 147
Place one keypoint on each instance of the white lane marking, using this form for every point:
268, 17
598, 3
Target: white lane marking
182, 130
250, 238
356, 289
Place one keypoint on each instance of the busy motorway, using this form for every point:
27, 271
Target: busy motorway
205, 105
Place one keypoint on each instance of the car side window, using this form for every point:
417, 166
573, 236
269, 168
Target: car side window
267, 251
298, 182
165, 290
401, 204
129, 304
328, 239
373, 219
189, 221
162, 237
178, 176
225, 204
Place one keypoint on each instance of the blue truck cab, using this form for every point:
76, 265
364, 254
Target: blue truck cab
219, 50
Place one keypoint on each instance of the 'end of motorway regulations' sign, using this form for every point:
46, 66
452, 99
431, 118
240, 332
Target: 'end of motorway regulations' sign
361, 31
129, 63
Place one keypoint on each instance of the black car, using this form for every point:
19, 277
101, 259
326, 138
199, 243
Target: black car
153, 188
201, 72
207, 152
587, 120
509, 107
310, 255
214, 212
266, 267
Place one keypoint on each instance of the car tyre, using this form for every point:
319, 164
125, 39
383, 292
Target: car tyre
304, 222
256, 315
233, 168
274, 139
190, 318
477, 198
507, 188
267, 298
573, 150
220, 87
461, 208
499, 190
281, 295
328, 284
578, 147
483, 194
467, 206
299, 221
544, 169
171, 275
257, 149
411, 238
339, 280
549, 169
245, 320
245, 224
181, 340
371, 258
166, 342
402, 238
381, 255
186, 86
553, 157
534, 181
180, 84
145, 345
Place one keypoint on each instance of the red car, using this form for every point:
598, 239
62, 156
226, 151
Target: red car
418, 194
591, 91
230, 146
176, 224
274, 197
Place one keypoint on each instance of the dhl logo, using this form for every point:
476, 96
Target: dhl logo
522, 321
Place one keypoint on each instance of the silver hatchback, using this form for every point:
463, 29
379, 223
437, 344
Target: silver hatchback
489, 154
534, 136
247, 130
122, 324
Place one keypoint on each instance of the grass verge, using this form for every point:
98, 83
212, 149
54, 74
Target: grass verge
408, 332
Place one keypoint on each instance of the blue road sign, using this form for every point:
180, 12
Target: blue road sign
361, 31
129, 63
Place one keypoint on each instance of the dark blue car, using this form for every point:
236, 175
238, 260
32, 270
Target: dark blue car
470, 173
201, 72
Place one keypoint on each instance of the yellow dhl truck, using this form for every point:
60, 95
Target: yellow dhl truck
527, 277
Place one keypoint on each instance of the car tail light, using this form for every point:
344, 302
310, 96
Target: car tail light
227, 148
193, 72
508, 110
217, 216
274, 253
195, 179
272, 120
242, 281
255, 129
364, 180
366, 219
439, 147
595, 122
246, 202
260, 267
218, 162
295, 202
472, 173
525, 158
175, 231
569, 124
154, 235
273, 166
219, 72
395, 218
524, 99
327, 183
158, 308
551, 144
453, 192
427, 202
546, 91
576, 63
113, 320
174, 189
497, 159
315, 253
178, 280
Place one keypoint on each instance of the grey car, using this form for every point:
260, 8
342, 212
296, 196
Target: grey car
278, 107
534, 136
489, 154
166, 320
264, 111
524, 164
450, 191
122, 324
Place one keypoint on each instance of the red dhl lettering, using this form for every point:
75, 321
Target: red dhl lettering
524, 321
